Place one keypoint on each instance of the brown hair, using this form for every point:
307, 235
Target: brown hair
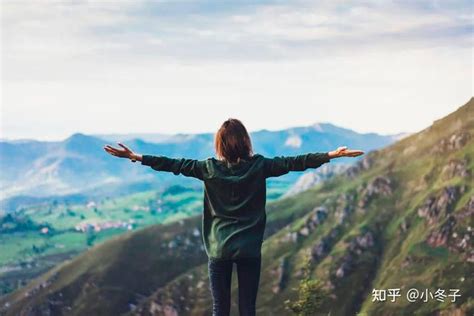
232, 142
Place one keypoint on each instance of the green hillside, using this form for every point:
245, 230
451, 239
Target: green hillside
401, 218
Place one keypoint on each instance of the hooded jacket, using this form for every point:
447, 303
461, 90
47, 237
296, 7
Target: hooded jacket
234, 216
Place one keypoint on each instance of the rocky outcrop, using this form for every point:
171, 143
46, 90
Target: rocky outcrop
440, 205
323, 246
310, 179
455, 168
176, 298
380, 186
441, 235
458, 238
404, 226
345, 206
355, 248
454, 142
190, 241
162, 309
362, 165
280, 273
317, 216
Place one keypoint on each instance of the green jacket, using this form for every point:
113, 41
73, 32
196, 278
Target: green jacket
234, 216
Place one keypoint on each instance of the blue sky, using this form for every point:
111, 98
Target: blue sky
185, 66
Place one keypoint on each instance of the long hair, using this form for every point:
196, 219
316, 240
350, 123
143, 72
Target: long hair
232, 142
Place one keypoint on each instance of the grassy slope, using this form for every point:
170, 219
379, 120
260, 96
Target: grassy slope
137, 269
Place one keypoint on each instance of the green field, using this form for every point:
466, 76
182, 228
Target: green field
73, 228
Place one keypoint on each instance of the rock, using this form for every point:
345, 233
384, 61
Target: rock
455, 142
453, 234
344, 207
345, 267
280, 274
172, 244
322, 248
365, 241
404, 225
407, 262
441, 235
304, 231
170, 310
455, 168
303, 183
466, 212
310, 179
363, 164
291, 236
356, 247
433, 207
155, 308
159, 308
318, 216
380, 186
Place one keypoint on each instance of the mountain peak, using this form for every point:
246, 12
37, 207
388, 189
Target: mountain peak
318, 127
77, 136
82, 142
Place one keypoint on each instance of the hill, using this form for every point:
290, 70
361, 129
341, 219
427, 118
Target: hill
78, 166
402, 217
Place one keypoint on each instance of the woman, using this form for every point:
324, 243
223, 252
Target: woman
234, 205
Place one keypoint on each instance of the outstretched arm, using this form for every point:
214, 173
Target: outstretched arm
187, 167
282, 165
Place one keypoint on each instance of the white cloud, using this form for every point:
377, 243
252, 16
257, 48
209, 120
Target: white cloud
141, 66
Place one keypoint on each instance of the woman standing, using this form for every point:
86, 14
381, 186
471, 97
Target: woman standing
234, 206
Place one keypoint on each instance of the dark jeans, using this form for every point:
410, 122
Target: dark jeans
220, 277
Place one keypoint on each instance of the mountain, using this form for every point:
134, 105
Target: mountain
401, 217
79, 165
312, 178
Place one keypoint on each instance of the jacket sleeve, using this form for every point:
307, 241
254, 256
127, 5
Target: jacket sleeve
278, 166
187, 167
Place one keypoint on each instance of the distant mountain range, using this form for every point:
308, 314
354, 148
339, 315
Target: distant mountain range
400, 218
78, 165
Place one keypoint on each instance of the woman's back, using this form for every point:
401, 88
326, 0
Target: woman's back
234, 208
234, 197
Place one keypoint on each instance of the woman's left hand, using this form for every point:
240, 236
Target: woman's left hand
344, 152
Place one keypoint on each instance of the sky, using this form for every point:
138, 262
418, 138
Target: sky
101, 67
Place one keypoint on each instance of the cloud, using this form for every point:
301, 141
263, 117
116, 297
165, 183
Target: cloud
83, 60
228, 30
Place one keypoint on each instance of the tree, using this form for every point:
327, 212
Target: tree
311, 294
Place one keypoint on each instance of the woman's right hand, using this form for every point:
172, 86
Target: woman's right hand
125, 152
